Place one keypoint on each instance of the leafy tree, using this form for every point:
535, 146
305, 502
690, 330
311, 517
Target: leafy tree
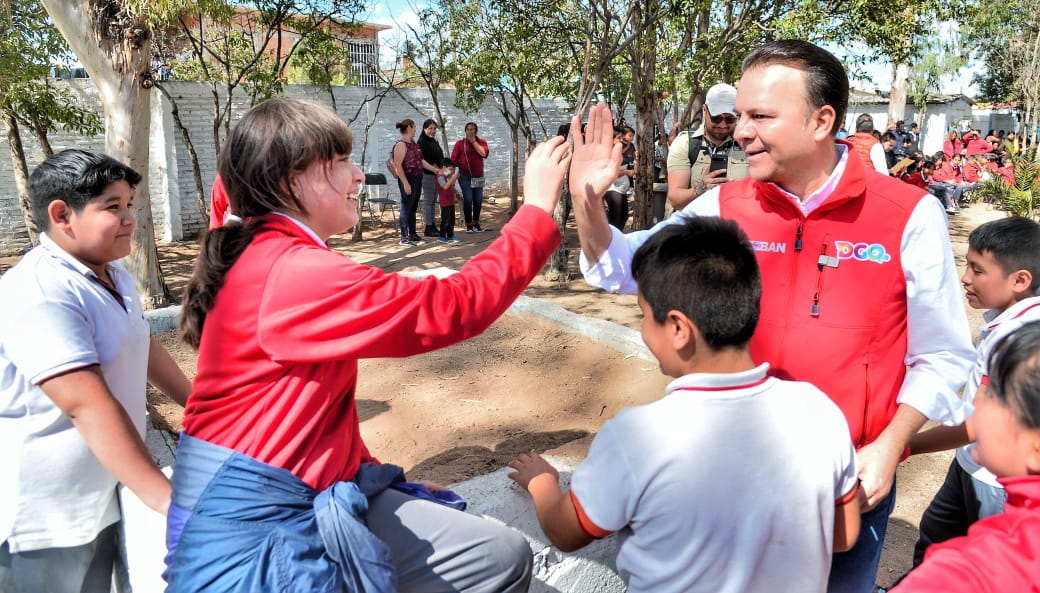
113, 41
250, 45
1007, 38
28, 42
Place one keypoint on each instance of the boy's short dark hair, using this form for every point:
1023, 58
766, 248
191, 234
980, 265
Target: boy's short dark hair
1014, 242
705, 269
1014, 373
888, 136
447, 163
74, 177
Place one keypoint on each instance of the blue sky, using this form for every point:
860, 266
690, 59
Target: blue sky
394, 13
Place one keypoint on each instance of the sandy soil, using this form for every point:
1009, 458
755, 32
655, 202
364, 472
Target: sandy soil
525, 385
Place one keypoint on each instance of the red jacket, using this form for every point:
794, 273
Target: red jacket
467, 159
278, 362
1000, 554
971, 172
976, 145
844, 328
218, 204
918, 180
862, 143
952, 148
949, 174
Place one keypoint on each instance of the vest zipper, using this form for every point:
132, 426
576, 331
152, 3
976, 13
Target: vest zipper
821, 263
791, 294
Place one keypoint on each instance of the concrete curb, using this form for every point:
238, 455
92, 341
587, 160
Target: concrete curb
493, 496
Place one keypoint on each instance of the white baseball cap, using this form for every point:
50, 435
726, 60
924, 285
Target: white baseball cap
720, 99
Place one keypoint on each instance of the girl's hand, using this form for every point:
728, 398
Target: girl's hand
544, 172
407, 187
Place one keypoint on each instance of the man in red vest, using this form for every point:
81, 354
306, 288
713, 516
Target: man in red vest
860, 290
867, 147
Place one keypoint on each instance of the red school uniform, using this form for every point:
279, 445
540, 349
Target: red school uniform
278, 360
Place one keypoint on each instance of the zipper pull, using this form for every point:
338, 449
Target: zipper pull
798, 237
815, 311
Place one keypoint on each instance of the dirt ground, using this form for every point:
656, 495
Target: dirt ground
525, 385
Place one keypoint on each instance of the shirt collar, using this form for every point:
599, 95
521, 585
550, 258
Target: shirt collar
56, 251
994, 318
303, 227
813, 200
717, 382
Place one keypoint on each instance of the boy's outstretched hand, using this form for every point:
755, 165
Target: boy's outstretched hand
544, 172
596, 161
528, 466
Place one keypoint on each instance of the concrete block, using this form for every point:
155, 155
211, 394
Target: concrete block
590, 570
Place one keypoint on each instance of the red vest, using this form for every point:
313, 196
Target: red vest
862, 143
841, 324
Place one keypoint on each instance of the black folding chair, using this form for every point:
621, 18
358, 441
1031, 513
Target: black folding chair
374, 184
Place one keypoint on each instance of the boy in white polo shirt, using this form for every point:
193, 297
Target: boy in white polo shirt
75, 353
733, 481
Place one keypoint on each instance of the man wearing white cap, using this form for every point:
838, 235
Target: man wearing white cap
702, 159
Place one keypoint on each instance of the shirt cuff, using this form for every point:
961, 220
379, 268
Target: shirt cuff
942, 406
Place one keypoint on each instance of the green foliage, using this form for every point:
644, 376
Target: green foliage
27, 45
1021, 198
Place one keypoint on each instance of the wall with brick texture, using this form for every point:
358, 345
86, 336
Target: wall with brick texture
175, 208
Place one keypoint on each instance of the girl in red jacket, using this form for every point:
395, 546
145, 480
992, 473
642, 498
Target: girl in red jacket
280, 322
1000, 553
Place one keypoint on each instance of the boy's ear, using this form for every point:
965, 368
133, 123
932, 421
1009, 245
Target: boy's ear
683, 331
1021, 281
59, 213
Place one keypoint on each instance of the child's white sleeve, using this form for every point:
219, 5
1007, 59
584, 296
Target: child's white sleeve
48, 338
602, 486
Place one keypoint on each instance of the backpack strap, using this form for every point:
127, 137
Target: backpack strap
694, 146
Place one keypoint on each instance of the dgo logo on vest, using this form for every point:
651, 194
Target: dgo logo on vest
874, 252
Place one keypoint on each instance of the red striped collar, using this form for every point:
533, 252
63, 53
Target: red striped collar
717, 382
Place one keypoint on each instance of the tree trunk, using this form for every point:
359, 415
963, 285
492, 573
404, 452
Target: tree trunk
115, 50
21, 176
644, 71
196, 169
900, 88
514, 168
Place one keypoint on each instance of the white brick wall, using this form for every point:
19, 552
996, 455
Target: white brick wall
174, 208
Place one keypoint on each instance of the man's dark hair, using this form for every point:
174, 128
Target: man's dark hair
1014, 242
1014, 373
74, 177
888, 136
928, 165
864, 124
705, 269
826, 81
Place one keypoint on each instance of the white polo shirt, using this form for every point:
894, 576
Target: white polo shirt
728, 484
56, 316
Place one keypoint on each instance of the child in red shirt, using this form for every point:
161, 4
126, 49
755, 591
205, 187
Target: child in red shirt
1000, 553
446, 179
280, 322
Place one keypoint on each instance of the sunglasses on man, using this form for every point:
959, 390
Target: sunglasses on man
724, 118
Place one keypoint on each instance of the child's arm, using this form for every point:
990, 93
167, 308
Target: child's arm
939, 438
846, 520
165, 375
84, 397
556, 513
942, 438
454, 178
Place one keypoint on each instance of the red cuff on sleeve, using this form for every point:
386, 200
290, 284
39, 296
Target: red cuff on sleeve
849, 497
